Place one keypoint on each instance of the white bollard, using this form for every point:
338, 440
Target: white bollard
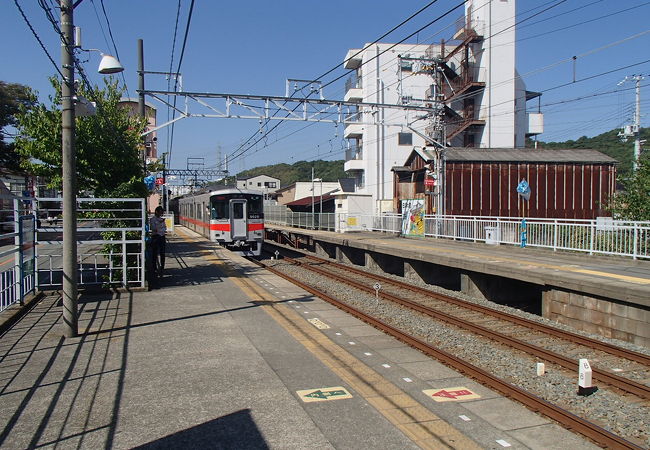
541, 369
584, 378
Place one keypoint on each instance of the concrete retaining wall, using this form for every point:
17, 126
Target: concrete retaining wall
605, 317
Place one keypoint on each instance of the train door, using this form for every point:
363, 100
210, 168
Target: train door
238, 219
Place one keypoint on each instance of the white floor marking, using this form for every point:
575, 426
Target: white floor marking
352, 343
407, 379
386, 366
503, 443
465, 418
368, 354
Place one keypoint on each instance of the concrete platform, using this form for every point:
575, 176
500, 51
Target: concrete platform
223, 355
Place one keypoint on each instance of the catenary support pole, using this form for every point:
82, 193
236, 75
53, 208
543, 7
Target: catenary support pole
69, 174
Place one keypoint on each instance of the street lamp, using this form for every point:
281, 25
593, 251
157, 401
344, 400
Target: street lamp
68, 164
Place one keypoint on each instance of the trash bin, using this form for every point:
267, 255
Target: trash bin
492, 235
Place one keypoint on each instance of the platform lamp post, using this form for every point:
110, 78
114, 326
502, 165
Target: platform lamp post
69, 170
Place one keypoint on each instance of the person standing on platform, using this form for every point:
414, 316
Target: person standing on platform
158, 230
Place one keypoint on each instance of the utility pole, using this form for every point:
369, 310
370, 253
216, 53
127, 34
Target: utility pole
637, 122
69, 173
635, 129
141, 105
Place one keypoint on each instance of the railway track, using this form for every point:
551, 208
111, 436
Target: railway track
458, 316
394, 291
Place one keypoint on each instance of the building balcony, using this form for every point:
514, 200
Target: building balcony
353, 152
353, 91
351, 61
354, 164
353, 130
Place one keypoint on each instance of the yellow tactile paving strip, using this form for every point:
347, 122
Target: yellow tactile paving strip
424, 428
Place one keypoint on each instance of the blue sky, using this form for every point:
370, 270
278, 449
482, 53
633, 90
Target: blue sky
253, 47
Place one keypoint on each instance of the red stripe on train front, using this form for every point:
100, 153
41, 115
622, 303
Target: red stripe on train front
255, 226
220, 226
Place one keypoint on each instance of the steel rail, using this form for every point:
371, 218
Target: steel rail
617, 381
567, 419
566, 335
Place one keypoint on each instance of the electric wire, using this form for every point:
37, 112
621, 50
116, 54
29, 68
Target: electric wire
178, 70
518, 22
235, 155
117, 53
555, 4
22, 13
171, 65
330, 71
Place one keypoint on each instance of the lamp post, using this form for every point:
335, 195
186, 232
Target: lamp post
69, 165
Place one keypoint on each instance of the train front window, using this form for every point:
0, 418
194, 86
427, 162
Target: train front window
219, 208
238, 210
255, 206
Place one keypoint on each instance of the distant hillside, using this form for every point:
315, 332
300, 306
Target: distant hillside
608, 143
300, 171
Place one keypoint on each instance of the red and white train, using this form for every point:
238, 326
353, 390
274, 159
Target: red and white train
232, 217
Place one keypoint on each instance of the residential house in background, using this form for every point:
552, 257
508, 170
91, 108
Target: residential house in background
473, 80
264, 183
303, 190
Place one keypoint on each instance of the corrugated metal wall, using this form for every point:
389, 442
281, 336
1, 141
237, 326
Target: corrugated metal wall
558, 190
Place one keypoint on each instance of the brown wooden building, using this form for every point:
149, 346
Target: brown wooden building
572, 183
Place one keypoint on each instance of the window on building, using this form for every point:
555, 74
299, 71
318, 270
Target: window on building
259, 184
270, 184
404, 138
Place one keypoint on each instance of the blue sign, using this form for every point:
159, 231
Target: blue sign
150, 181
523, 189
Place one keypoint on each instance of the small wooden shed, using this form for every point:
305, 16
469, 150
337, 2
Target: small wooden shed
571, 183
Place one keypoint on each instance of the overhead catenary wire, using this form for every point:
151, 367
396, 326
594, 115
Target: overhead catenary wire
553, 5
171, 65
178, 70
235, 155
584, 54
117, 53
366, 62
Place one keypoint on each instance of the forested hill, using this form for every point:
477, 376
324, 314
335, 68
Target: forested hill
608, 143
300, 171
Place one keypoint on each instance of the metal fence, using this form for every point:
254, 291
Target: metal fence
600, 236
110, 245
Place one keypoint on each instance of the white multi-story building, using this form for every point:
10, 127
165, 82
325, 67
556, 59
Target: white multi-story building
471, 79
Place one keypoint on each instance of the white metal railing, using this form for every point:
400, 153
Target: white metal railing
599, 236
110, 245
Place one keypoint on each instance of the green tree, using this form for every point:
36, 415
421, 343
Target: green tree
608, 143
107, 143
633, 201
13, 97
